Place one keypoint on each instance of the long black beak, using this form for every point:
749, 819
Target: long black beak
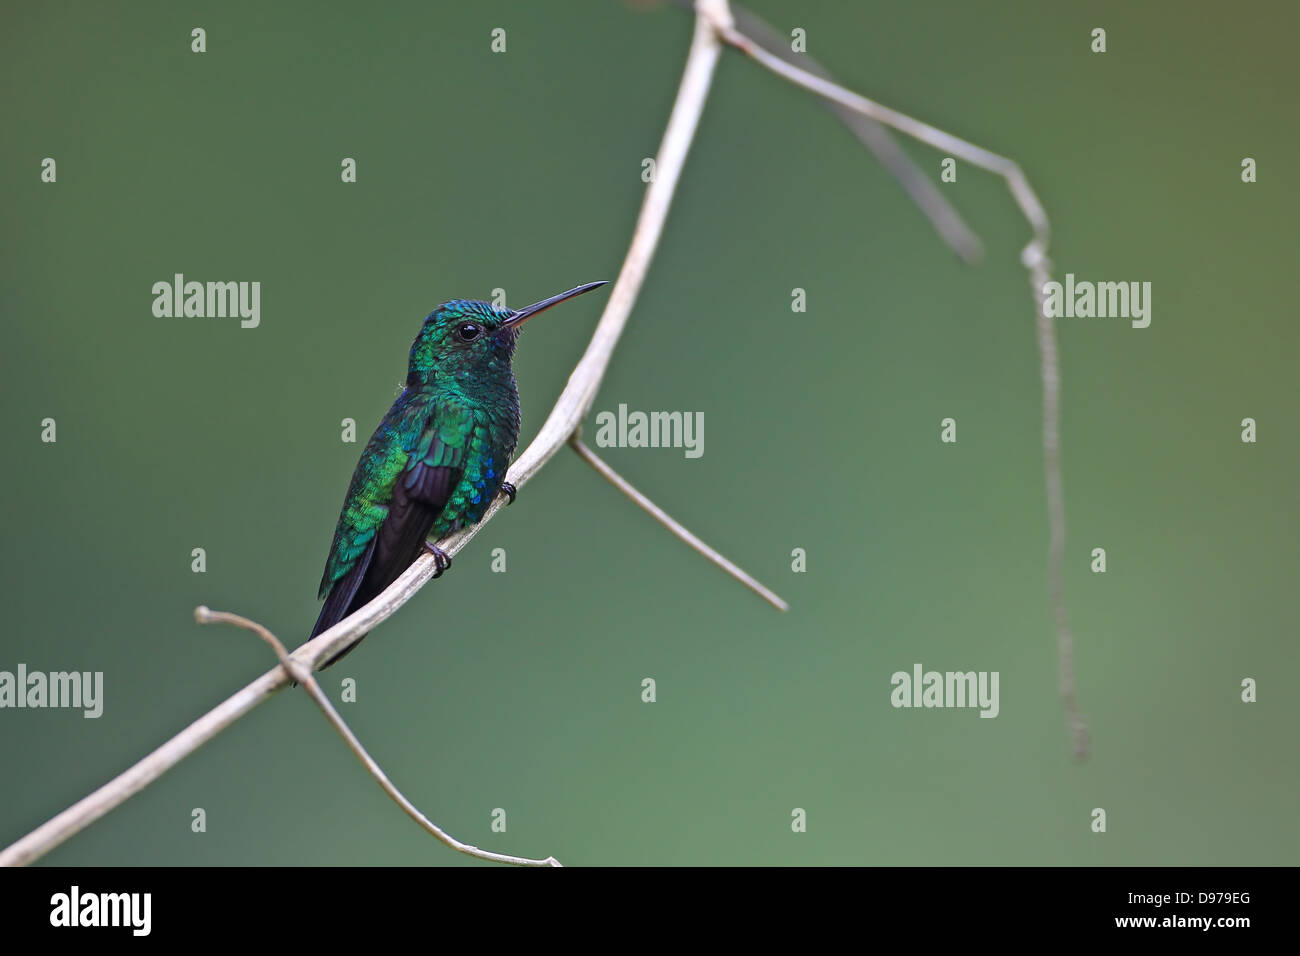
521, 316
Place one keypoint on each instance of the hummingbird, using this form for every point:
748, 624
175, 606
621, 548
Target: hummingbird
438, 458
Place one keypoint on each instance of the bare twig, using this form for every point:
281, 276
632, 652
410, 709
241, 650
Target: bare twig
303, 675
667, 520
1034, 258
919, 186
976, 155
569, 410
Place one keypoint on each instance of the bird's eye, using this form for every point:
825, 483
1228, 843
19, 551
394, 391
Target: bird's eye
469, 332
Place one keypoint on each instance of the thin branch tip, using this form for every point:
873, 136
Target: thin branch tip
680, 531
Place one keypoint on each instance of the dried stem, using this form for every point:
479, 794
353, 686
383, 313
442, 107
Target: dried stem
1034, 258
918, 185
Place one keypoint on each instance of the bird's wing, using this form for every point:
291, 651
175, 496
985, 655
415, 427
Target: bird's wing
364, 508
397, 492
339, 598
433, 470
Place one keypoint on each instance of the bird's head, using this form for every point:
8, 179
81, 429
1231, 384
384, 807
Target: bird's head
468, 337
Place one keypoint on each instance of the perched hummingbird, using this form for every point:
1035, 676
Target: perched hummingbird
438, 458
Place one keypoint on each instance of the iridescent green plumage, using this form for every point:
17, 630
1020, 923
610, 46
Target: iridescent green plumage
438, 458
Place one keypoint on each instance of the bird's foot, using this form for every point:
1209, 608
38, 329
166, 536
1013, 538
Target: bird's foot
510, 491
441, 559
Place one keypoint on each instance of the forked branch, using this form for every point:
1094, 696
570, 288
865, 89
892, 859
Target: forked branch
303, 675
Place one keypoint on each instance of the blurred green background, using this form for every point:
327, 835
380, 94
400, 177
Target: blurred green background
522, 690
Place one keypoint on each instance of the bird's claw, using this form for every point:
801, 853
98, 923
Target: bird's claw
509, 491
441, 559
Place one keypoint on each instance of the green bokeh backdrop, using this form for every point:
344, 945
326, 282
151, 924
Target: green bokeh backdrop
522, 691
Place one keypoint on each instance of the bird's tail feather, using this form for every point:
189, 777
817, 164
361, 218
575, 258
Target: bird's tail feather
329, 616
343, 599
